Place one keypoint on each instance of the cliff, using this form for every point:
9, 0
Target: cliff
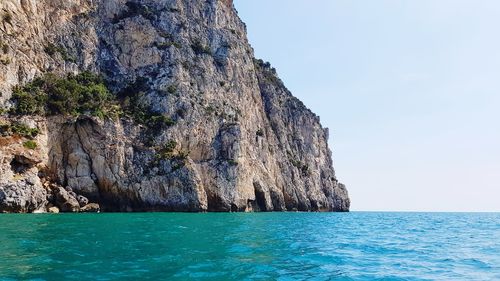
188, 120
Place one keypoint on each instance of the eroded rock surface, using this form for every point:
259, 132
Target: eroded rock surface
91, 208
241, 141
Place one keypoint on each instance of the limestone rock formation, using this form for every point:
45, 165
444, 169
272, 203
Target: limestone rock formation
235, 138
91, 208
65, 201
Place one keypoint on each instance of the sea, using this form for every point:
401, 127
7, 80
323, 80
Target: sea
250, 246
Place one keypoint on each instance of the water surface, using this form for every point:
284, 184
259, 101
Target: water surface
259, 246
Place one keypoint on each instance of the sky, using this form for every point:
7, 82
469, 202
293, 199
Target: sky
410, 90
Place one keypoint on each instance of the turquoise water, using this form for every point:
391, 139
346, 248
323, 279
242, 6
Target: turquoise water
260, 246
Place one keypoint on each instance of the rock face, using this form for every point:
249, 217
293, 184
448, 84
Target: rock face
240, 140
91, 208
65, 201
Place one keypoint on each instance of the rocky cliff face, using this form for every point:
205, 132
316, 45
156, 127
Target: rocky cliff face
236, 139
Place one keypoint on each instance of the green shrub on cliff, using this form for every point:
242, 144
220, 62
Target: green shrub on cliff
132, 102
30, 144
167, 150
172, 89
142, 114
200, 49
167, 44
84, 93
158, 121
24, 130
29, 100
51, 49
267, 70
18, 129
134, 9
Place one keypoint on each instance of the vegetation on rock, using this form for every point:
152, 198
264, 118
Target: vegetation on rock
200, 49
134, 9
167, 44
172, 89
52, 49
85, 93
303, 168
50, 94
18, 129
208, 96
269, 72
168, 152
30, 144
132, 104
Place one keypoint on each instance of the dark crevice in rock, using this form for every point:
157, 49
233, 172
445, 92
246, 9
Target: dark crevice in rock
217, 204
259, 204
20, 164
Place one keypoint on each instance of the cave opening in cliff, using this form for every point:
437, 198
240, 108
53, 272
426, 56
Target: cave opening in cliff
18, 166
260, 197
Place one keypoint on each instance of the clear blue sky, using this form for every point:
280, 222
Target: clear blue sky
409, 89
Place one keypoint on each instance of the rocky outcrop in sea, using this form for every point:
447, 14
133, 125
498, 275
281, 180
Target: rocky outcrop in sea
152, 105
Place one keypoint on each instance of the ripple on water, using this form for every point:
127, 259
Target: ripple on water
267, 246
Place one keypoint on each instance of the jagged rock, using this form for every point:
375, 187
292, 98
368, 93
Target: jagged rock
82, 200
21, 193
72, 194
242, 141
21, 197
91, 208
65, 201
